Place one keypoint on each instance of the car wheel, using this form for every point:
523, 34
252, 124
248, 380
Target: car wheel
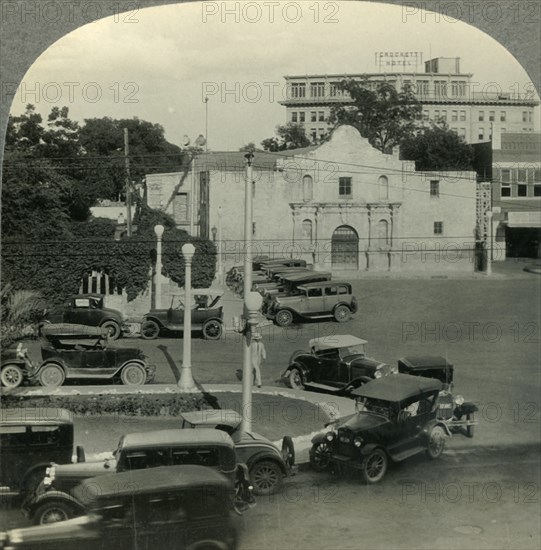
469, 429
12, 376
288, 451
150, 330
374, 466
52, 512
436, 442
266, 477
212, 330
113, 329
133, 374
342, 314
319, 456
284, 318
295, 380
51, 376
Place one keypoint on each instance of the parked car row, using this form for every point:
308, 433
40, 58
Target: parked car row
175, 488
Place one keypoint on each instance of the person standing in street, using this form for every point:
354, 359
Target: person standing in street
258, 354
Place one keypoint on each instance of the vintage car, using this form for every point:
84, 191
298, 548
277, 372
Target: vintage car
397, 419
30, 437
276, 278
459, 415
168, 508
289, 285
15, 365
89, 309
54, 499
266, 267
267, 465
314, 301
82, 353
205, 316
334, 364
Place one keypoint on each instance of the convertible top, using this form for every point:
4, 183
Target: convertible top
397, 387
70, 330
211, 417
176, 437
149, 480
336, 341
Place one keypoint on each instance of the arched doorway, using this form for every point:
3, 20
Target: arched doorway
345, 248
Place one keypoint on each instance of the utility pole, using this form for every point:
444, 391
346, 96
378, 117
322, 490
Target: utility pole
128, 182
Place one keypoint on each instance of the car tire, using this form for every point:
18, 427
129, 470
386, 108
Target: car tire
12, 376
469, 429
52, 512
212, 330
51, 376
266, 477
150, 330
319, 456
113, 329
374, 466
133, 374
342, 314
436, 442
283, 318
288, 451
295, 379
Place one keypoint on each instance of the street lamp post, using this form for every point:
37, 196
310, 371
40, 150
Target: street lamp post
250, 309
220, 263
158, 230
489, 251
252, 304
186, 382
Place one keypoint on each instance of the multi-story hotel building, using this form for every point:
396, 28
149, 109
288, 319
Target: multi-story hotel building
470, 108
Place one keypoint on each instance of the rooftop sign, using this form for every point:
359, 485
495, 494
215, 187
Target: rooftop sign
396, 60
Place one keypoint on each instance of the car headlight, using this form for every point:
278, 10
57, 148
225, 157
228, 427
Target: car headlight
377, 374
50, 474
459, 400
358, 441
394, 369
330, 436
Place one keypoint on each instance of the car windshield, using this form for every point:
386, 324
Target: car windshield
375, 406
357, 349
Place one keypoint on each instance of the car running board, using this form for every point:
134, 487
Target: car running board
323, 387
406, 454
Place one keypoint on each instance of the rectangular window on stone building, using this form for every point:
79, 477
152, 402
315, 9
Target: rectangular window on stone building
438, 228
524, 116
444, 115
503, 116
302, 116
440, 88
294, 117
454, 116
462, 116
505, 190
481, 116
321, 116
522, 190
481, 133
521, 174
537, 176
317, 89
344, 187
298, 90
434, 188
421, 87
537, 190
491, 116
506, 175
313, 116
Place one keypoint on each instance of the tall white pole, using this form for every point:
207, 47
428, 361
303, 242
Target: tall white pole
220, 261
186, 382
158, 230
246, 425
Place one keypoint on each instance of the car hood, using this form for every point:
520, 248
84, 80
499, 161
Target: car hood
72, 529
363, 422
83, 470
362, 361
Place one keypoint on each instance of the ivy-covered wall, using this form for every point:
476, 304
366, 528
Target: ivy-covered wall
55, 268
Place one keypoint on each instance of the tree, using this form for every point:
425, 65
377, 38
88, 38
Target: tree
437, 148
289, 136
250, 147
18, 310
382, 114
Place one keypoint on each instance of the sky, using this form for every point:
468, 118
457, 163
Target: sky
159, 63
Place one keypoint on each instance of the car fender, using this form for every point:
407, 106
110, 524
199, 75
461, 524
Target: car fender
55, 496
267, 455
56, 361
367, 449
342, 304
138, 361
152, 318
319, 438
111, 318
32, 470
214, 318
428, 428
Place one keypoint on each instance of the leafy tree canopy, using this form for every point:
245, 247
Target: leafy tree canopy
382, 114
288, 136
436, 147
